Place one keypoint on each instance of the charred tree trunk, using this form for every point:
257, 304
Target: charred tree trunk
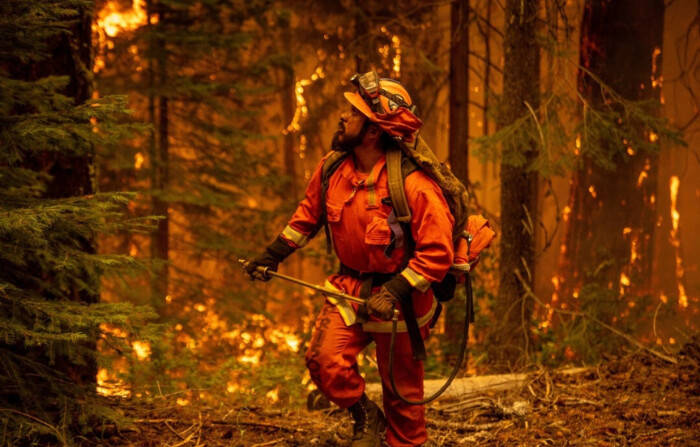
609, 239
459, 132
511, 333
159, 148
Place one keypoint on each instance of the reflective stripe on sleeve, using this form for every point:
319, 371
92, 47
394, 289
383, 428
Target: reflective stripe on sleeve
294, 236
416, 280
345, 309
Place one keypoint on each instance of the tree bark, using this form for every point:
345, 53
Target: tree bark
160, 242
519, 184
459, 134
610, 233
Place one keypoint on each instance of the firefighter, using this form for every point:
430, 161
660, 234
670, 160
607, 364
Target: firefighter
357, 209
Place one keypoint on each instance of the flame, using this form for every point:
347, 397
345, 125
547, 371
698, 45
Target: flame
654, 56
141, 349
591, 189
396, 45
566, 213
110, 22
302, 109
273, 395
624, 283
676, 242
113, 21
109, 384
182, 401
642, 176
138, 160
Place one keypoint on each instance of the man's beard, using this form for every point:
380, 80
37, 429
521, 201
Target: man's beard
347, 144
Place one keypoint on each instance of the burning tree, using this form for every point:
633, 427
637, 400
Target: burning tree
607, 253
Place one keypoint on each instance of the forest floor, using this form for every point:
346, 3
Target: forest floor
638, 400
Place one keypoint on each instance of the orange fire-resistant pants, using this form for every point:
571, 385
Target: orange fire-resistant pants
332, 362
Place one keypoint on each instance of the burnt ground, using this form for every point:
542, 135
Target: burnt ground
639, 400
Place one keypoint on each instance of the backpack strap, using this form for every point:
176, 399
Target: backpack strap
331, 164
395, 176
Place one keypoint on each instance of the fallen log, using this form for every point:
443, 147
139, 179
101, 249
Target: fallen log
461, 388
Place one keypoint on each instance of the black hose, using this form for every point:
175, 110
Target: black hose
460, 359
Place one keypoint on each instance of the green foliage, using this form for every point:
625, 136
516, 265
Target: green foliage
50, 217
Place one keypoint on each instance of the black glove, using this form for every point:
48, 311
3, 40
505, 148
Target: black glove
275, 253
382, 303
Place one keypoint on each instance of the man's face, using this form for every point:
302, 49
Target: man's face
351, 130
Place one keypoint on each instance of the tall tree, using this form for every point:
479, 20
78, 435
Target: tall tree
520, 98
459, 131
459, 90
609, 240
51, 215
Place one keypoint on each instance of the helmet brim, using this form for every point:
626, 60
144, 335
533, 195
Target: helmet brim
356, 100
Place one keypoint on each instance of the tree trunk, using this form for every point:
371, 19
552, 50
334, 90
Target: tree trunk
609, 238
459, 135
511, 333
159, 152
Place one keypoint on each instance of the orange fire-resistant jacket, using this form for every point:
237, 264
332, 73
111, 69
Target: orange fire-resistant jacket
357, 219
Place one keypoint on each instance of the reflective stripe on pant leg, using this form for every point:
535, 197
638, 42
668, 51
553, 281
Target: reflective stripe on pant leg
406, 423
332, 357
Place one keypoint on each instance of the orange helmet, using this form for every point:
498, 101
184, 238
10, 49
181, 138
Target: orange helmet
385, 102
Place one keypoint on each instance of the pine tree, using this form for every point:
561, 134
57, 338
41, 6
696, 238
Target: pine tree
50, 217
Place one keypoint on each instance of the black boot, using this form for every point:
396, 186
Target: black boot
369, 423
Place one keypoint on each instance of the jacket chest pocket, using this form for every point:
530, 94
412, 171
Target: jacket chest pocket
377, 238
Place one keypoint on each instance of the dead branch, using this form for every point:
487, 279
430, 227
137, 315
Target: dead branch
218, 422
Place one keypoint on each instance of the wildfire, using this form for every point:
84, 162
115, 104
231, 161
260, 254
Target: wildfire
113, 21
138, 161
109, 385
141, 349
302, 109
676, 241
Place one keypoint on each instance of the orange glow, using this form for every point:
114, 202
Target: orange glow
109, 385
624, 282
141, 349
396, 45
654, 56
591, 190
138, 160
273, 395
302, 109
113, 21
676, 242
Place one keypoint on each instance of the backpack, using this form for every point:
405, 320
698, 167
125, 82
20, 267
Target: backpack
471, 234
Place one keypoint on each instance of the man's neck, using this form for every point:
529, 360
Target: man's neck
366, 157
